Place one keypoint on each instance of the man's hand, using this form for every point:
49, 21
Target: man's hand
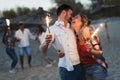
48, 39
45, 45
17, 39
36, 39
60, 54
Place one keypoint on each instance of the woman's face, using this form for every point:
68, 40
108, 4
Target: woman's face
9, 29
76, 22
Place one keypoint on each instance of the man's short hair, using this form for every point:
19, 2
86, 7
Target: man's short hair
63, 7
20, 23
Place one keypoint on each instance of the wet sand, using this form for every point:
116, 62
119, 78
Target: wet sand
40, 72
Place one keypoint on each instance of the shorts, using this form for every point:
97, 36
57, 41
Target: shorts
96, 71
24, 49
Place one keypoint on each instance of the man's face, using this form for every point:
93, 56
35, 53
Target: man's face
21, 27
68, 14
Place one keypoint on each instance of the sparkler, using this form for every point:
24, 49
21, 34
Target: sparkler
8, 22
97, 30
48, 22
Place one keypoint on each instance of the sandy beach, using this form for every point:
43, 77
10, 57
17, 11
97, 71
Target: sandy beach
40, 72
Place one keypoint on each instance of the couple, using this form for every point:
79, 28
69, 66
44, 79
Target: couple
63, 38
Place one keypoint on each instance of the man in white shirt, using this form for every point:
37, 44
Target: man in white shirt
23, 35
62, 38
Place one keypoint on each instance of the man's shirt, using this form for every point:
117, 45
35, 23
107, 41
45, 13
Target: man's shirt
63, 38
24, 37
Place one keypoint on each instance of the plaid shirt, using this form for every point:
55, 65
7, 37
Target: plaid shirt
9, 41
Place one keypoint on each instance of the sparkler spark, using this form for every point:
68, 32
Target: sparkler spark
97, 30
8, 22
48, 22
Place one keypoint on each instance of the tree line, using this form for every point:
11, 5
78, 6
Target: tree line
77, 7
12, 13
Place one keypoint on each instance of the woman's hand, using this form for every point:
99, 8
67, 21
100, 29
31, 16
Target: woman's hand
88, 46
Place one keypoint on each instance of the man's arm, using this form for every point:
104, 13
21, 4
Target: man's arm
31, 35
17, 36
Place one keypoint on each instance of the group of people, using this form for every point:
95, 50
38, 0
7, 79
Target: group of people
80, 55
22, 36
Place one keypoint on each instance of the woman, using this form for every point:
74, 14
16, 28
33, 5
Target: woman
89, 49
40, 34
9, 40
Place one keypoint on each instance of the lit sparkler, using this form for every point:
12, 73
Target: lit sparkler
48, 22
8, 22
97, 30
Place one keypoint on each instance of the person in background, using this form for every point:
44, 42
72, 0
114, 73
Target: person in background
40, 34
9, 40
63, 39
23, 35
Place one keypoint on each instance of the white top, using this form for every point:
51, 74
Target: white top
24, 37
41, 37
64, 39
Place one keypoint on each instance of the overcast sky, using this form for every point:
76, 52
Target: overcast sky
46, 4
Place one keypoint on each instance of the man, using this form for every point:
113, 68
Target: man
23, 36
62, 37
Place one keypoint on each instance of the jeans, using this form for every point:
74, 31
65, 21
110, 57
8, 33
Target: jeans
11, 53
96, 71
77, 74
24, 49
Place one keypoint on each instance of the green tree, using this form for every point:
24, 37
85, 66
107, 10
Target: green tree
0, 14
112, 2
53, 10
105, 12
18, 12
94, 4
77, 6
9, 14
105, 2
22, 11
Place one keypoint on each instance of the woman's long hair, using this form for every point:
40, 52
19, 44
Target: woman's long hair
39, 30
85, 23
